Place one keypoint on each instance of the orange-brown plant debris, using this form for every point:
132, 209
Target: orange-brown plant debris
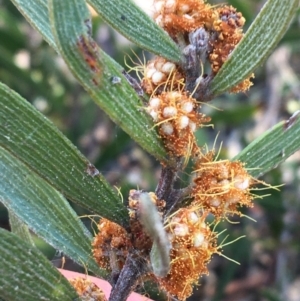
87, 290
111, 238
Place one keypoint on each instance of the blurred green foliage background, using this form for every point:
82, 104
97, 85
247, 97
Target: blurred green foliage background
269, 256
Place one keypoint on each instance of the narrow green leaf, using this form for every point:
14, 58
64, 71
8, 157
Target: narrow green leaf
100, 75
137, 26
44, 210
19, 228
262, 36
27, 275
36, 13
33, 139
273, 147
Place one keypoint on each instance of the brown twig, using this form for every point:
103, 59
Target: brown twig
133, 269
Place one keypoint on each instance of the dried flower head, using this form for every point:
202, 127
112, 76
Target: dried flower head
111, 239
181, 16
87, 290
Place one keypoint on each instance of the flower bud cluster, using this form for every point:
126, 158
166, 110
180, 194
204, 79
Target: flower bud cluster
221, 187
180, 16
178, 118
222, 24
193, 244
205, 33
87, 290
157, 75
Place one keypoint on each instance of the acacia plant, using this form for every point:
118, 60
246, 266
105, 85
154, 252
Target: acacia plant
162, 235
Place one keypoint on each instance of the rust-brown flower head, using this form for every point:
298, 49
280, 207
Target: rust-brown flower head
221, 187
193, 244
177, 116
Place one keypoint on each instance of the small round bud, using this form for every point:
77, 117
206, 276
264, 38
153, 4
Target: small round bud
198, 239
157, 77
192, 126
169, 112
193, 218
158, 6
170, 6
184, 8
215, 202
150, 71
167, 128
154, 102
181, 230
187, 107
158, 64
241, 183
183, 122
168, 67
154, 115
159, 21
186, 16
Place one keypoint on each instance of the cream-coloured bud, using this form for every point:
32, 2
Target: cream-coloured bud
181, 230
158, 5
169, 112
168, 19
187, 107
167, 128
215, 202
183, 122
170, 6
168, 67
150, 71
198, 239
174, 94
223, 171
187, 16
159, 64
157, 77
159, 21
241, 183
184, 8
233, 199
192, 126
225, 185
193, 218
154, 102
154, 115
